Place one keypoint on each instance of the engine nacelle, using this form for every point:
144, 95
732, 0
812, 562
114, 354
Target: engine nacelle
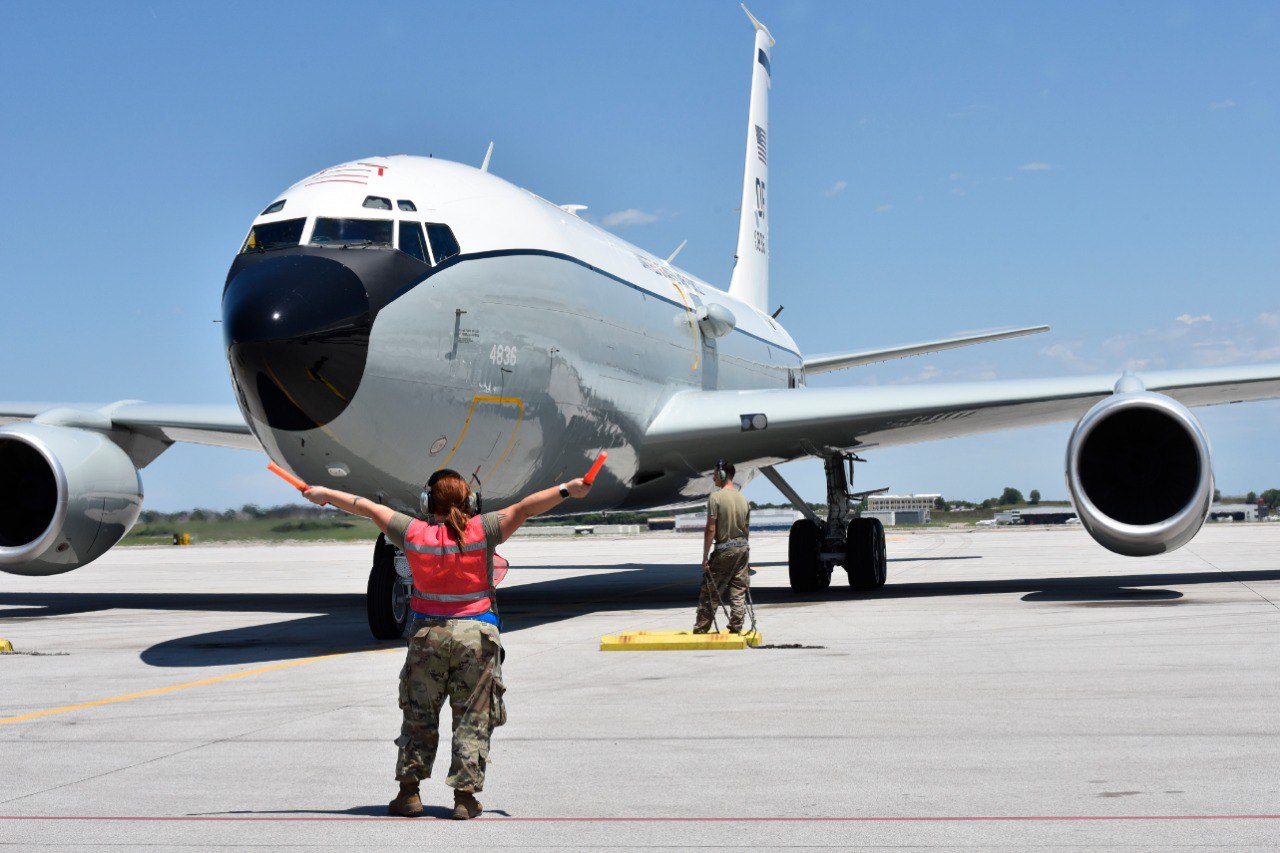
1140, 473
66, 496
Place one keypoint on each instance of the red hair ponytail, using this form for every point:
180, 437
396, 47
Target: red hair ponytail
450, 496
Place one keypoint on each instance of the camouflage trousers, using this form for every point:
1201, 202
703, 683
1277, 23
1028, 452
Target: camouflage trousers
458, 659
726, 582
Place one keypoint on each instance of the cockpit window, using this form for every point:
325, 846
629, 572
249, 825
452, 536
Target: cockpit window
443, 244
266, 236
352, 232
405, 204
274, 207
411, 241
374, 202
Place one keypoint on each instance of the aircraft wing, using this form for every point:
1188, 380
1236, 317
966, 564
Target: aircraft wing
768, 427
841, 360
219, 426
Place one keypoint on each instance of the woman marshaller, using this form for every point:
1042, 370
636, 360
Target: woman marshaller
455, 650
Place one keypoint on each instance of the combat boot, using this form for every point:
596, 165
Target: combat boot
465, 805
408, 803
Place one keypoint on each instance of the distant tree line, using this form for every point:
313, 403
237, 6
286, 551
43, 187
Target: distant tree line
248, 511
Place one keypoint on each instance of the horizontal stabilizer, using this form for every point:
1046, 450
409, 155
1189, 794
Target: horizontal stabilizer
840, 360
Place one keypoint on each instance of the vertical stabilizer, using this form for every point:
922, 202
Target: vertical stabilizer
750, 281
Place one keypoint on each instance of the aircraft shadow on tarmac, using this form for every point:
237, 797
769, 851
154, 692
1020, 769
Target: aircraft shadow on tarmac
306, 624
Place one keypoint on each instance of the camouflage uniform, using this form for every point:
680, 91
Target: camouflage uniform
459, 659
726, 582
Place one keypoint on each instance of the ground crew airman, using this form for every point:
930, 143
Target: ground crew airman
455, 652
725, 551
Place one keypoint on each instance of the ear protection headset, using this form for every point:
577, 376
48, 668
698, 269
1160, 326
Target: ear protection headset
429, 504
720, 472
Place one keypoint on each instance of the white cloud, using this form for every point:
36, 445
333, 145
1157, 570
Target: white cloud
1189, 341
1066, 353
1223, 105
630, 216
1037, 166
835, 189
884, 208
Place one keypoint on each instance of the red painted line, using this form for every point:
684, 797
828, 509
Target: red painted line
336, 181
739, 819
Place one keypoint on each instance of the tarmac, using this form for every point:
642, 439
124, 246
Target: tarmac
1007, 690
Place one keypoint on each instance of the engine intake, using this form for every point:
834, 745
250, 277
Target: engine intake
1140, 473
66, 497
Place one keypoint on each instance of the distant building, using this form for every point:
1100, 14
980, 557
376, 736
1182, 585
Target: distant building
899, 516
761, 519
1233, 512
1036, 515
908, 509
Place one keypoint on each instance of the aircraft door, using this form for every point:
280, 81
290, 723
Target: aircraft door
486, 439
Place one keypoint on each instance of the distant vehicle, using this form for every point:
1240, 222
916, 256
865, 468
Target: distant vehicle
986, 522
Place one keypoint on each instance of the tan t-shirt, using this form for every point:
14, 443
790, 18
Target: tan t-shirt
398, 528
731, 512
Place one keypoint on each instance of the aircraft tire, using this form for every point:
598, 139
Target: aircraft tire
380, 603
865, 560
805, 568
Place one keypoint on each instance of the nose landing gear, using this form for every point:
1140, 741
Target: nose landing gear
818, 545
387, 597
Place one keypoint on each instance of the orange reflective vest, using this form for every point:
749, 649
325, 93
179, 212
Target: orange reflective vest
449, 578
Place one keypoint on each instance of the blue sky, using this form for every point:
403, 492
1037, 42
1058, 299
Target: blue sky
1110, 169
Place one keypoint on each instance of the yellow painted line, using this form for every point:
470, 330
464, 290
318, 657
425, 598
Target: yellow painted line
693, 324
481, 398
159, 690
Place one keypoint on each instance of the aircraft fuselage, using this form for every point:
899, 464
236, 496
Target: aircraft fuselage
541, 342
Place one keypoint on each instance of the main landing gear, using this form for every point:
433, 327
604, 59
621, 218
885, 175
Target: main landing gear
390, 587
817, 545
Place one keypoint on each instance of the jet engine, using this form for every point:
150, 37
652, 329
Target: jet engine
1139, 471
66, 496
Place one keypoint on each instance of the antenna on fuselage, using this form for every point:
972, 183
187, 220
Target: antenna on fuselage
484, 167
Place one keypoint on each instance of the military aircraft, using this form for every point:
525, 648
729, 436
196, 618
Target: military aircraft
391, 316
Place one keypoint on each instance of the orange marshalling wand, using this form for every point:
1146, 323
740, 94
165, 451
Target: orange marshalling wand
287, 477
595, 469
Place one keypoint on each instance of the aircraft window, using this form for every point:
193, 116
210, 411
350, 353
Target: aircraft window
405, 204
411, 241
274, 207
273, 235
443, 244
374, 202
352, 232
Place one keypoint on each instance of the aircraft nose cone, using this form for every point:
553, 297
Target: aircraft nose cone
297, 335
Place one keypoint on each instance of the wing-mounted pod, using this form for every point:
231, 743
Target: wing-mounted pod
1140, 472
67, 495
